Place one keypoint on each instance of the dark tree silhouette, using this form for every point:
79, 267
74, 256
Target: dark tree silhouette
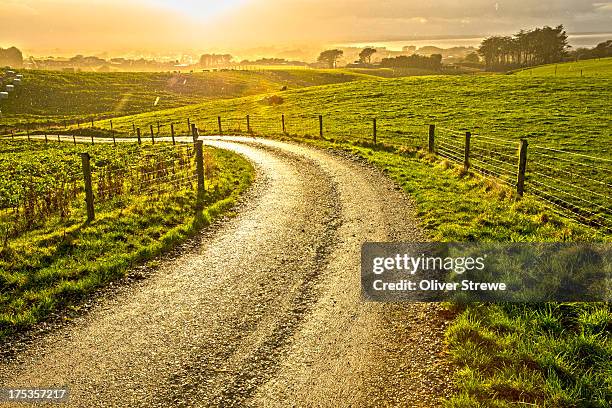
472, 58
433, 62
215, 60
539, 46
11, 57
365, 56
330, 57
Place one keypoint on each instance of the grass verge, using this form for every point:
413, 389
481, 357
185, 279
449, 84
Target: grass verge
60, 261
507, 355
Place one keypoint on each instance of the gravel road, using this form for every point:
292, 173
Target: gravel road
262, 311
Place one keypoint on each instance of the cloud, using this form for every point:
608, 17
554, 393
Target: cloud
207, 24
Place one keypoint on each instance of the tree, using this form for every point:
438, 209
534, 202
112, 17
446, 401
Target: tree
11, 57
539, 46
433, 62
365, 56
330, 57
215, 60
472, 58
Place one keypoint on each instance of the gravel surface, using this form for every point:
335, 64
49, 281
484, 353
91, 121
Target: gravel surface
265, 311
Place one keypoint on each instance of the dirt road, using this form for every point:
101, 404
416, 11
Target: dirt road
264, 311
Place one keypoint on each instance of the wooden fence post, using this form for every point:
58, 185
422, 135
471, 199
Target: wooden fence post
133, 128
248, 123
138, 135
92, 139
200, 172
46, 137
321, 126
58, 137
92, 122
152, 134
374, 129
283, 121
12, 134
466, 155
219, 123
111, 125
89, 198
188, 125
114, 141
194, 132
28, 132
432, 139
172, 133
522, 167
74, 139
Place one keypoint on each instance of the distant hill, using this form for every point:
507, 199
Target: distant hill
53, 93
588, 68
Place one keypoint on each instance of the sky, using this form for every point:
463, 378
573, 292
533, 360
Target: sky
66, 27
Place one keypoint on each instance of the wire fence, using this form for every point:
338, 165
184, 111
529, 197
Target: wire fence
570, 183
51, 186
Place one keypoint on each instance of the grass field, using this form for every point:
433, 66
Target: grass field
587, 68
53, 96
567, 113
549, 355
51, 259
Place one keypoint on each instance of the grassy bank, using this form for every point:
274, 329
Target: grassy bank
507, 355
57, 260
586, 68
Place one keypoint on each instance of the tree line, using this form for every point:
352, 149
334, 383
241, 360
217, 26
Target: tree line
433, 62
11, 57
544, 45
602, 50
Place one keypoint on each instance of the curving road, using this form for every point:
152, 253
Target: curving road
264, 311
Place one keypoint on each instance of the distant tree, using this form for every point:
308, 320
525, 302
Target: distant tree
472, 58
603, 50
433, 62
215, 60
436, 61
539, 46
330, 57
11, 57
365, 56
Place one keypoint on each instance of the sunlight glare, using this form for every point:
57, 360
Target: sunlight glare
200, 8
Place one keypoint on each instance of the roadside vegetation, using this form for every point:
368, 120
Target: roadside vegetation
548, 355
51, 259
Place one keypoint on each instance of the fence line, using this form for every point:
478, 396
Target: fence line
56, 190
576, 184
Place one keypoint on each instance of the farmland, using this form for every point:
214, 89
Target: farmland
587, 68
55, 96
545, 355
556, 355
570, 114
566, 113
